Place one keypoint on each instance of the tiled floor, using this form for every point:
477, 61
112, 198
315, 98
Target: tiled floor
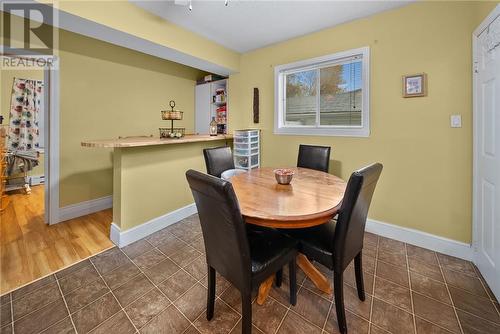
158, 285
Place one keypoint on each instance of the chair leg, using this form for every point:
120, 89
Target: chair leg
211, 293
279, 277
358, 269
246, 306
338, 289
293, 281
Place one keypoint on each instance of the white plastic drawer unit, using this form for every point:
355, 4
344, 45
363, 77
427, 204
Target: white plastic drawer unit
242, 161
246, 140
246, 133
246, 149
244, 146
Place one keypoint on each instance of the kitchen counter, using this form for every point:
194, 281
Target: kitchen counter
151, 141
150, 190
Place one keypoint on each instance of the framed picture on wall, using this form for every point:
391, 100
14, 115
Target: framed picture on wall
415, 85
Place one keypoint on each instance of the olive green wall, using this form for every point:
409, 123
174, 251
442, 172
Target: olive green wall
151, 182
105, 92
124, 16
427, 179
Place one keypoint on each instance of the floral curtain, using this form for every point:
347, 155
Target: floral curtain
24, 114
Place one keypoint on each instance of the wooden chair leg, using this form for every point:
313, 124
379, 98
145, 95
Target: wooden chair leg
358, 269
279, 277
246, 307
338, 290
293, 281
211, 293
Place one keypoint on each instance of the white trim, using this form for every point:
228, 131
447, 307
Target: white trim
85, 208
51, 161
122, 239
361, 131
422, 239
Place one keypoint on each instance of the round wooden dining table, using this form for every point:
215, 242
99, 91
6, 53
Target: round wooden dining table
311, 199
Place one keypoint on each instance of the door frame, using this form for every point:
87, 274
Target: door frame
475, 177
51, 136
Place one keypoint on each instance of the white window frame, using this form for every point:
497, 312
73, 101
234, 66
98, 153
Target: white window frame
322, 130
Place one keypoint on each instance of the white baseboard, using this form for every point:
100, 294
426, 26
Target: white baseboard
122, 239
421, 239
408, 235
85, 208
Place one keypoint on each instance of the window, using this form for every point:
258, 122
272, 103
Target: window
327, 96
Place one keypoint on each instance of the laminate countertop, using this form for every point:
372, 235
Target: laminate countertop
151, 141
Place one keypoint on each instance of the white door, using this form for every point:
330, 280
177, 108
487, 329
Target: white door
486, 206
202, 107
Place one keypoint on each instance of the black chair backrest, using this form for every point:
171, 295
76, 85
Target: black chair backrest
350, 228
218, 160
314, 157
223, 227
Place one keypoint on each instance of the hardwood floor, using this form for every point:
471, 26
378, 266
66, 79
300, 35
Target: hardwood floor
30, 249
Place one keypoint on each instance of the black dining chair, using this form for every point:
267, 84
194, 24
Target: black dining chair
218, 160
314, 157
336, 244
245, 259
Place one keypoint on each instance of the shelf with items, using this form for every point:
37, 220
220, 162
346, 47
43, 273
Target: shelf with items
246, 149
219, 100
211, 101
221, 115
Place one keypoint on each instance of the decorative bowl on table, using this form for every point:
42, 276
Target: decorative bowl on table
283, 175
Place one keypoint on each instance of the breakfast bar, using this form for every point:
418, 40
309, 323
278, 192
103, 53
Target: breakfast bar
149, 185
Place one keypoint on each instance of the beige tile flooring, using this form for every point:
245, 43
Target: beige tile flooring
158, 285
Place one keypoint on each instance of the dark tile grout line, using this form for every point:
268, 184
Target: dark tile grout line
327, 317
199, 281
483, 283
100, 277
117, 300
71, 291
12, 313
50, 274
141, 272
435, 280
67, 309
432, 298
370, 324
161, 291
410, 291
461, 289
290, 309
40, 307
449, 295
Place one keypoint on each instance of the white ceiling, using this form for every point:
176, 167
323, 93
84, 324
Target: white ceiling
247, 25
